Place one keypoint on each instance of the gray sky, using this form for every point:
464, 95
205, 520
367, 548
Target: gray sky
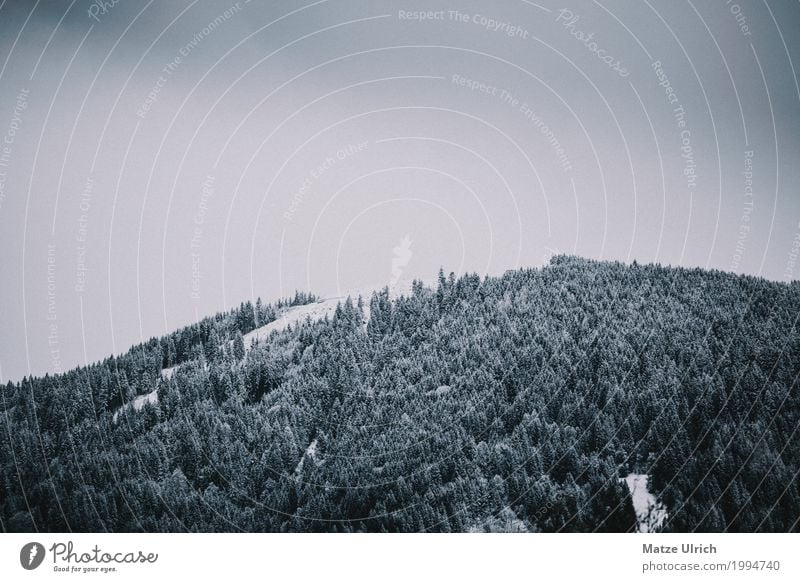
163, 161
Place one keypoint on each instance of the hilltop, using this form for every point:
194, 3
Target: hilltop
540, 400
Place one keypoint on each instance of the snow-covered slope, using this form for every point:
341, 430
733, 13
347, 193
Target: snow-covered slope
293, 316
317, 311
137, 403
289, 316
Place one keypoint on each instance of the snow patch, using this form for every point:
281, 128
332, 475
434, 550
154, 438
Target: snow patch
318, 310
326, 306
293, 316
168, 373
650, 513
137, 404
311, 453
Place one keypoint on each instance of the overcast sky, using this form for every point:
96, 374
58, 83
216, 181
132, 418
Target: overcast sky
162, 161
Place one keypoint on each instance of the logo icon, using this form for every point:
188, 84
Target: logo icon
31, 555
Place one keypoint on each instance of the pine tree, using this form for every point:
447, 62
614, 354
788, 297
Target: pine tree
238, 345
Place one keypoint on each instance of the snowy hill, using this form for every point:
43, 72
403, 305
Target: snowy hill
579, 397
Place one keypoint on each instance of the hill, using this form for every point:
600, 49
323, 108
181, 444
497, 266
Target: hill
583, 396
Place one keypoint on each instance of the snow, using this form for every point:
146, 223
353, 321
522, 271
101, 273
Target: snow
152, 397
318, 310
289, 316
650, 513
293, 316
137, 403
311, 453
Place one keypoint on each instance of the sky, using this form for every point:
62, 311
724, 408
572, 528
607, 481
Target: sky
163, 161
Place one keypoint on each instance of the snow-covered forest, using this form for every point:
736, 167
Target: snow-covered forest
540, 400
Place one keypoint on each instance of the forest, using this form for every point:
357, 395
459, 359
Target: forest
516, 403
